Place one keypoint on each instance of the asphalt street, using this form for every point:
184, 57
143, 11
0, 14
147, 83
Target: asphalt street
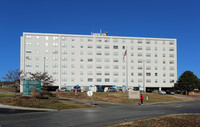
108, 114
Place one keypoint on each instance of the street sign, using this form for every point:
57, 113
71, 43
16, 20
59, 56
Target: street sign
90, 93
113, 85
100, 86
139, 86
77, 85
123, 86
90, 85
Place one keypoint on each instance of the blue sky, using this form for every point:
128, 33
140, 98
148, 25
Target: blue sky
178, 19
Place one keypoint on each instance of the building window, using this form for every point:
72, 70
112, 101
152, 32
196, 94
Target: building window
55, 65
99, 66
148, 67
107, 66
139, 80
98, 46
28, 51
148, 54
55, 51
107, 60
139, 47
107, 40
115, 60
55, 58
148, 81
29, 65
90, 79
98, 40
139, 67
98, 53
148, 61
139, 54
139, 42
99, 59
115, 47
148, 42
64, 45
107, 80
55, 44
90, 39
90, 46
139, 74
115, 73
98, 79
148, 74
28, 44
55, 38
107, 46
123, 47
28, 57
115, 67
171, 43
171, 55
156, 74
115, 53
115, 40
90, 53
171, 68
90, 73
64, 52
64, 58
63, 38
171, 49
139, 61
81, 66
107, 73
90, 59
107, 53
98, 73
90, 66
148, 48
171, 62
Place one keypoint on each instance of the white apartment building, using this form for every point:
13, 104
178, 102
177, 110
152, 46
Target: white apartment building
97, 59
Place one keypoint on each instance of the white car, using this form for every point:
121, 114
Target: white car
162, 92
62, 89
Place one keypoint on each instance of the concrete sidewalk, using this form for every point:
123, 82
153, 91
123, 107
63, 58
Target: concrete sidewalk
24, 108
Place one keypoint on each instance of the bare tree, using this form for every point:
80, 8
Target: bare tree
43, 77
14, 77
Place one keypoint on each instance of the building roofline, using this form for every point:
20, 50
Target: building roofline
120, 37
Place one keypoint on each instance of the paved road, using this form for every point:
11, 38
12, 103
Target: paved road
109, 114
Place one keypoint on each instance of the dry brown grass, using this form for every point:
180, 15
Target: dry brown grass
121, 98
40, 103
175, 120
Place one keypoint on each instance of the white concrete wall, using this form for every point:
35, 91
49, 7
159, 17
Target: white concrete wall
82, 40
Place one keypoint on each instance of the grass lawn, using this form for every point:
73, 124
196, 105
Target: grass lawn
175, 120
10, 89
40, 103
120, 98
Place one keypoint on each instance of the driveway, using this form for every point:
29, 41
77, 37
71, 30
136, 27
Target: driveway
109, 114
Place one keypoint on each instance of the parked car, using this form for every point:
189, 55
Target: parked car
155, 91
169, 92
111, 89
162, 92
99, 89
62, 89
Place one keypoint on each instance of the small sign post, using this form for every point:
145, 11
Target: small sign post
90, 93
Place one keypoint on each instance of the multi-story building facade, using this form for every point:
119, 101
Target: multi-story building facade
97, 59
